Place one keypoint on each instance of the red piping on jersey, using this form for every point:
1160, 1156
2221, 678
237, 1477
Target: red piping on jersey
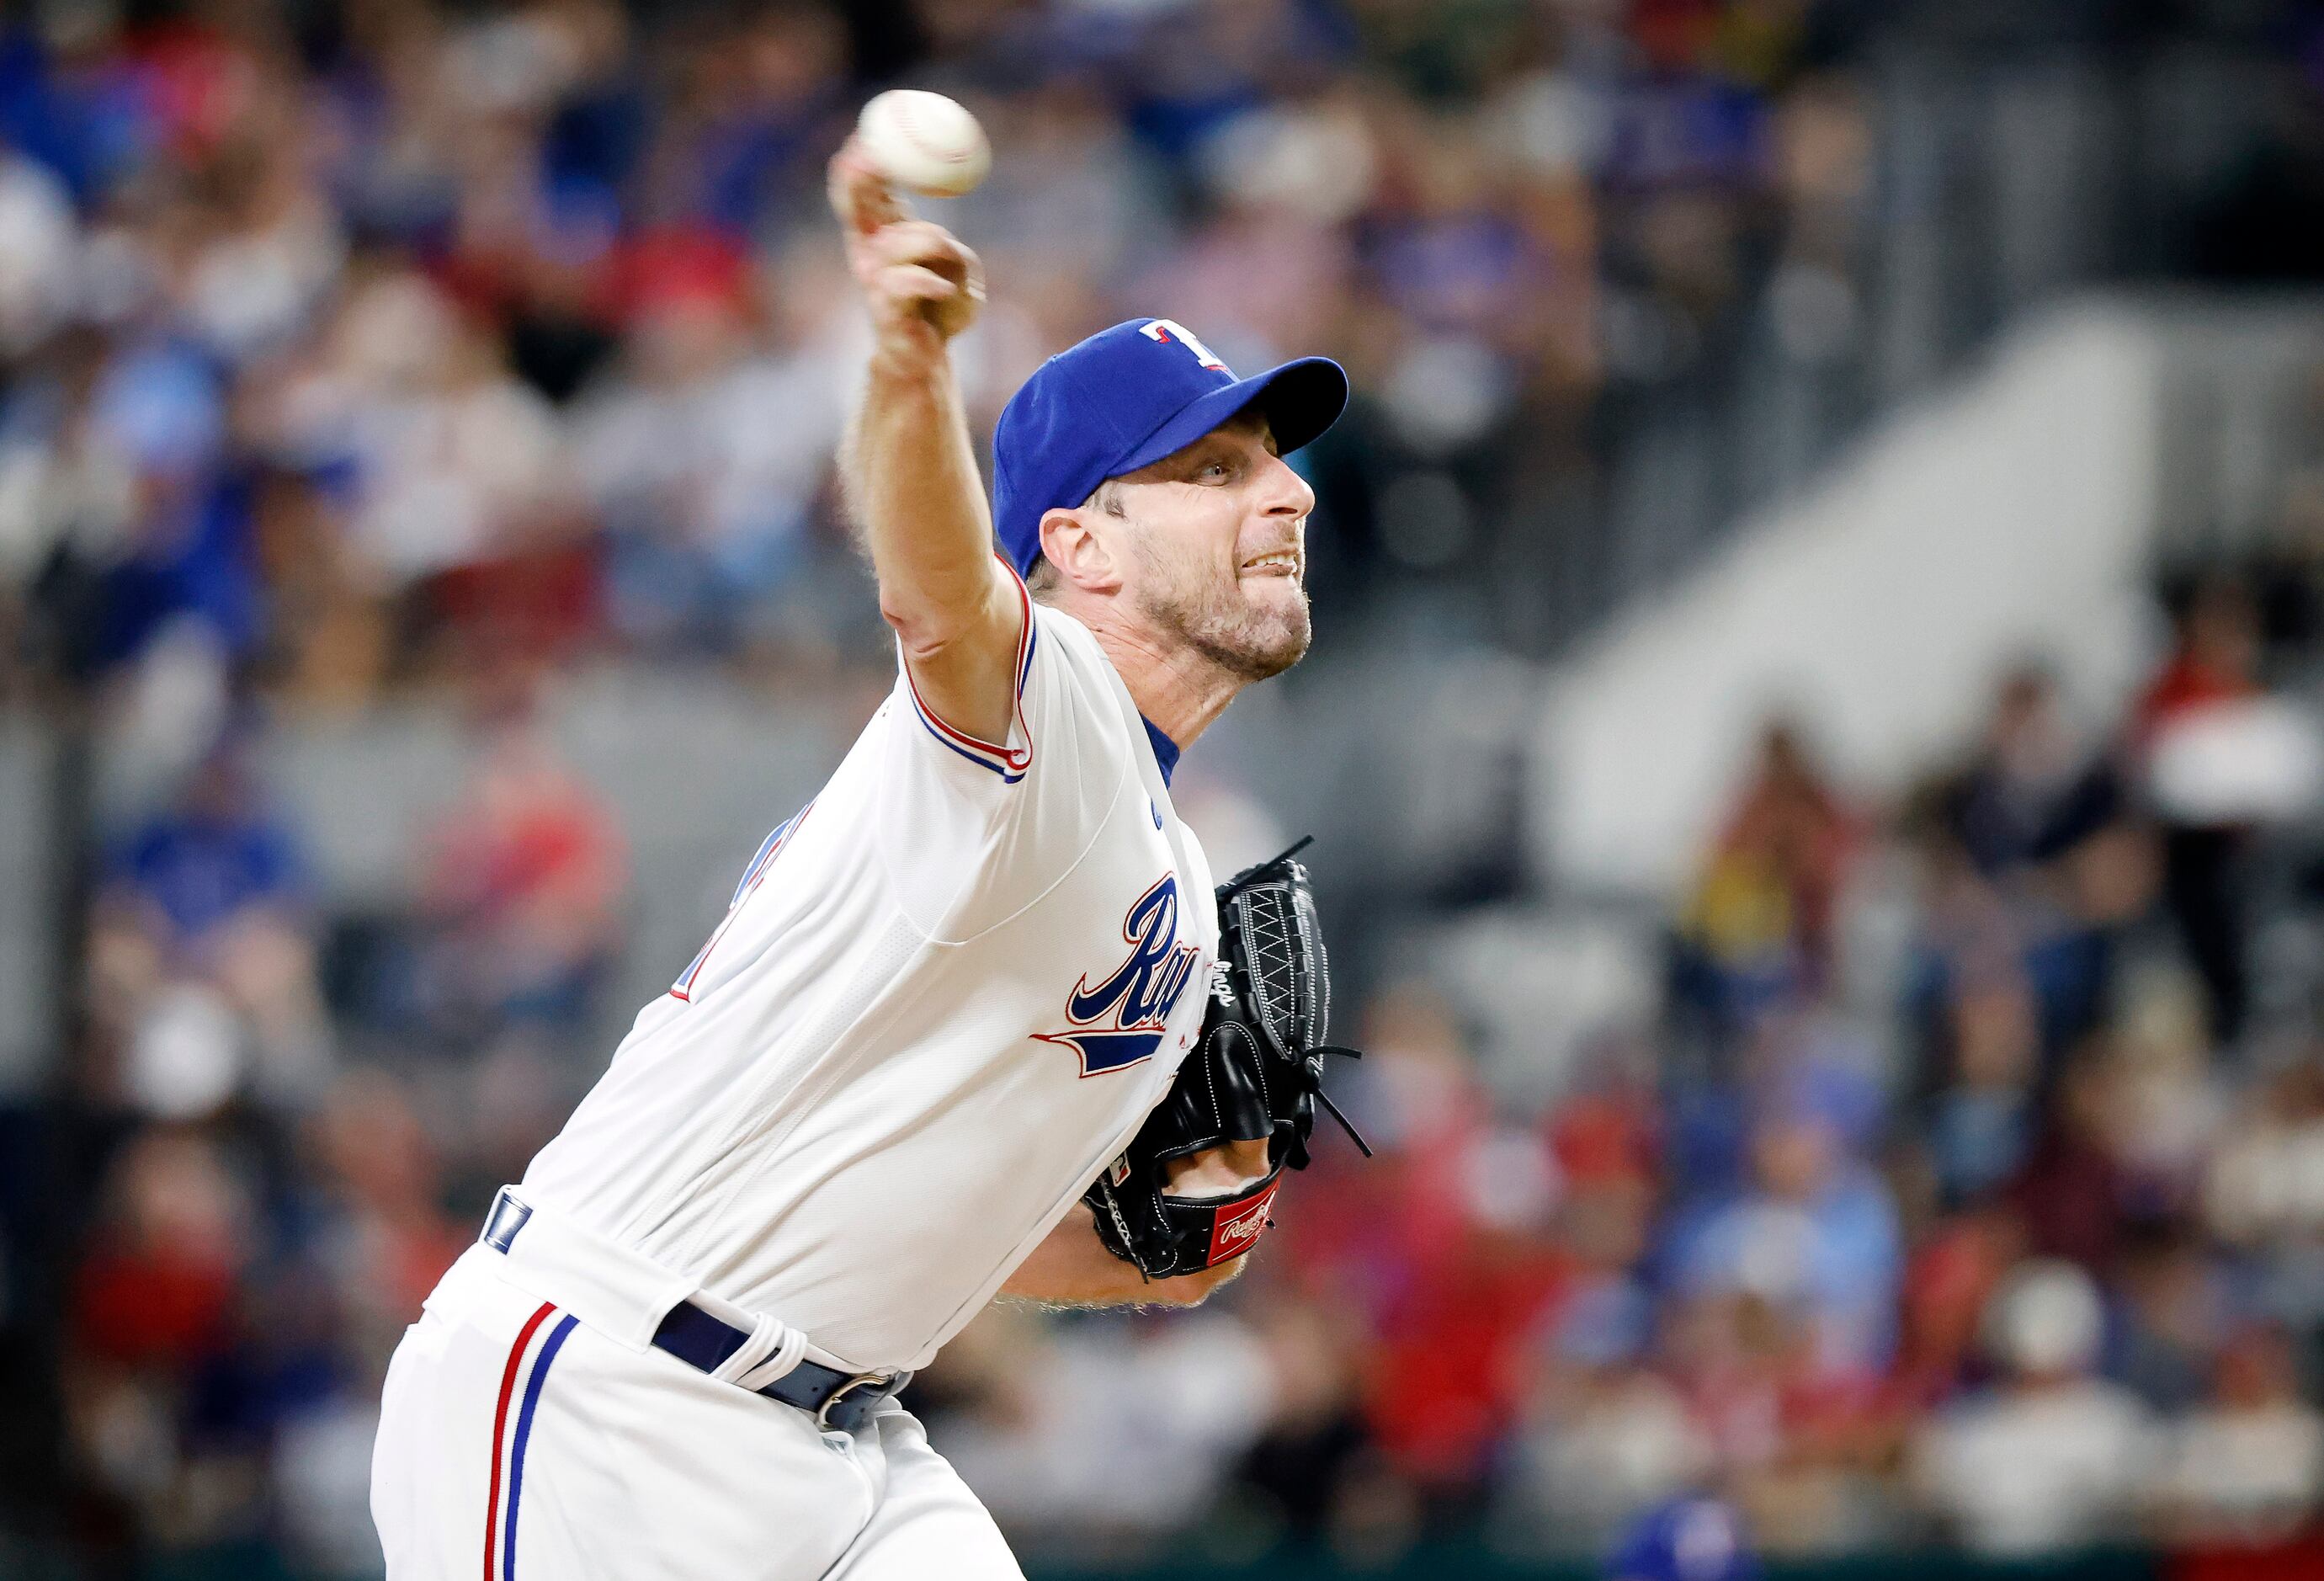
500, 1427
1011, 763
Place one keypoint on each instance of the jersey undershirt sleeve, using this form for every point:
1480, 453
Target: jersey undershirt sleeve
972, 831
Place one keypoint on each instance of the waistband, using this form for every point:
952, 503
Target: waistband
616, 1289
622, 1293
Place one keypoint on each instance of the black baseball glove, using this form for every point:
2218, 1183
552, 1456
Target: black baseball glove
1257, 1075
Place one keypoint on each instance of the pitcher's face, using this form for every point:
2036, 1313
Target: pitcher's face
1215, 541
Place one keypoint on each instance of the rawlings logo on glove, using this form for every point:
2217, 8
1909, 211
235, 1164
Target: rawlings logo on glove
1237, 1233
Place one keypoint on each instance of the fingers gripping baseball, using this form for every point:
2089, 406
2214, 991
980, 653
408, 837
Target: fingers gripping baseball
915, 276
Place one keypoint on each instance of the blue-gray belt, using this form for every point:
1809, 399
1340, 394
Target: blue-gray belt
844, 1401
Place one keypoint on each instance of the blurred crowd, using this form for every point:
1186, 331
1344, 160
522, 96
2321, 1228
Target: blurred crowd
348, 346
1971, 1183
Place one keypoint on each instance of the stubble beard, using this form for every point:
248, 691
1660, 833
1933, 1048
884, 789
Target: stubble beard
1245, 642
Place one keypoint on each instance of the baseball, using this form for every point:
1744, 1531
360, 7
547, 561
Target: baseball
924, 141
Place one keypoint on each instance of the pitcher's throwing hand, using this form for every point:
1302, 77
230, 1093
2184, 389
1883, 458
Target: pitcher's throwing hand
914, 273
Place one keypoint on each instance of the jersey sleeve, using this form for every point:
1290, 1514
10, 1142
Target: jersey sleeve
973, 830
1010, 761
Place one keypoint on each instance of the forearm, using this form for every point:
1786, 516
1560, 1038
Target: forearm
914, 493
1072, 1268
908, 470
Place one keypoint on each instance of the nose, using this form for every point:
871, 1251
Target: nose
1284, 492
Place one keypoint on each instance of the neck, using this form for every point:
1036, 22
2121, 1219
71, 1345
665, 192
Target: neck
1178, 689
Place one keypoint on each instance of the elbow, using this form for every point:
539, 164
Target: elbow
907, 617
922, 635
925, 628
934, 611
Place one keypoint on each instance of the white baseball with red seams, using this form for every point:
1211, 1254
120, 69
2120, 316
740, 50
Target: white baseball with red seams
924, 141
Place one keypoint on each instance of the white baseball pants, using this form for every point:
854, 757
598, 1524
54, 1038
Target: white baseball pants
517, 1444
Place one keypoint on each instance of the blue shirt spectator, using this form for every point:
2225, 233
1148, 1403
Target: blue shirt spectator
210, 858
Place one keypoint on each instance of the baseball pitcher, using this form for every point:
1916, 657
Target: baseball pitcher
974, 1023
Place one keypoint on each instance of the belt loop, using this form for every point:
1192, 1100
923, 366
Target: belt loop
502, 1225
773, 1348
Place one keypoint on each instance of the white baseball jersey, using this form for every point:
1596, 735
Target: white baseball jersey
946, 994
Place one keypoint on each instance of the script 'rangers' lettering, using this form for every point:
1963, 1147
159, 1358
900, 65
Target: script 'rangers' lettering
1138, 996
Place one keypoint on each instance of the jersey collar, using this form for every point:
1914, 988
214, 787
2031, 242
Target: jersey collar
1166, 751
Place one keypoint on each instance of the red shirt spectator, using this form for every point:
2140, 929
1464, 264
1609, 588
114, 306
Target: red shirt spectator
2215, 661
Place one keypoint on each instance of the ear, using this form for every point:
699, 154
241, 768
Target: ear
1071, 542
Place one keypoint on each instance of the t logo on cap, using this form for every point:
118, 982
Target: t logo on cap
1169, 329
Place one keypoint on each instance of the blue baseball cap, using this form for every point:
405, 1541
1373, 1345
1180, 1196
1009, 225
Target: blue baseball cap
1124, 399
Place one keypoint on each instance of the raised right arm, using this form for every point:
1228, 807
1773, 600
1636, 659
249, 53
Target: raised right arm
907, 465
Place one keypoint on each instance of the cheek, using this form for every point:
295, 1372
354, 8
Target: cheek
1192, 548
1220, 544
1205, 550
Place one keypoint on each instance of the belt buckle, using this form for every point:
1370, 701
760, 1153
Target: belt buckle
861, 1381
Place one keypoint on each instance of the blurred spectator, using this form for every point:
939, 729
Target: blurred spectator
2266, 1180
2213, 664
379, 1228
157, 1286
447, 460
1982, 1122
183, 555
2263, 1196
2032, 791
1815, 1229
2174, 1314
1790, 1433
376, 1240
706, 454
2172, 1104
1759, 921
522, 894
201, 957
2214, 658
2053, 1458
39, 238
2072, 1194
1044, 1446
2248, 1467
1309, 1464
1686, 1539
1444, 1238
1604, 1437
1958, 1266
224, 1365
153, 1304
